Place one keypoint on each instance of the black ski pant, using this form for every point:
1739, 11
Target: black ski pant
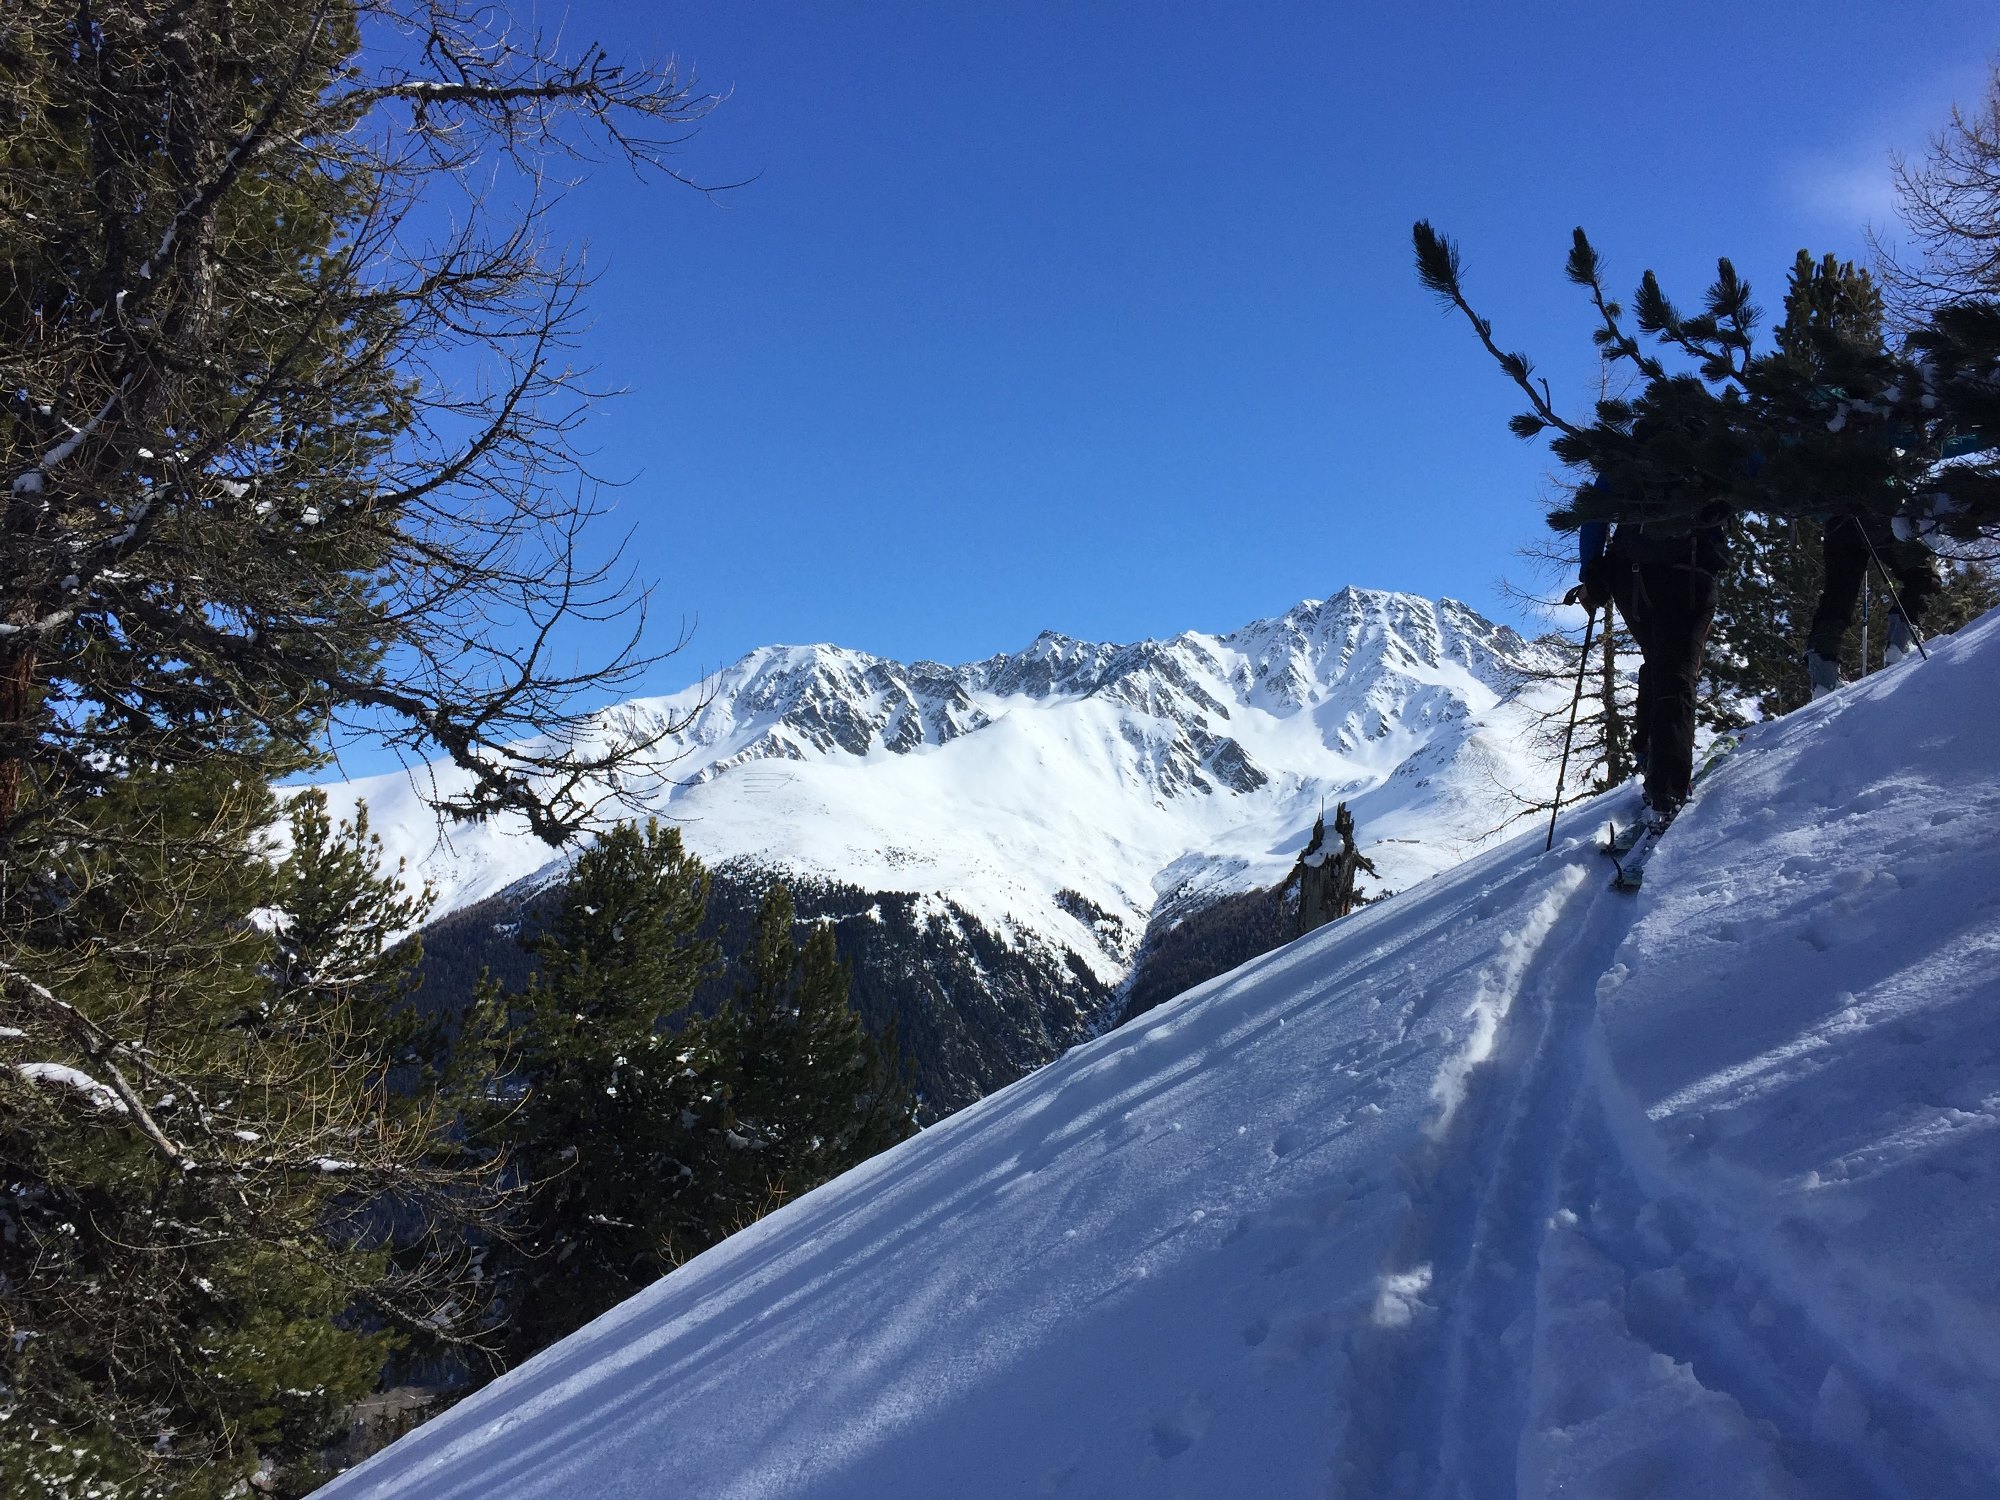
1845, 550
1668, 606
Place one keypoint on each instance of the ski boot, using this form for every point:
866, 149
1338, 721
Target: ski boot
1901, 643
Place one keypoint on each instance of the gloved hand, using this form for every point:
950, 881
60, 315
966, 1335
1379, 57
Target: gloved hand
1593, 589
1922, 517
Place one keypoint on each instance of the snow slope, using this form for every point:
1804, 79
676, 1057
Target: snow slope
1511, 1185
1129, 776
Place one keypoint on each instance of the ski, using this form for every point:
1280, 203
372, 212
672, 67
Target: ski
1631, 847
1619, 841
1636, 855
1719, 750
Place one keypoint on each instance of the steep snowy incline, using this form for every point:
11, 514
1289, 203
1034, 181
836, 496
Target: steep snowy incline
1509, 1186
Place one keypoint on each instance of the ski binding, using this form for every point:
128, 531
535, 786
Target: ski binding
1633, 854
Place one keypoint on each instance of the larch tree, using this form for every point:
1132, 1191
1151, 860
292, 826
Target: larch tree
1948, 198
1944, 295
286, 412
287, 424
1602, 681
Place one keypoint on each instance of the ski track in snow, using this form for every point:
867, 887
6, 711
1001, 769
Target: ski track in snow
1433, 1397
1511, 1187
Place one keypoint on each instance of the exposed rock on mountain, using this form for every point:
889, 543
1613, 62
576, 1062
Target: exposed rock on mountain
1028, 819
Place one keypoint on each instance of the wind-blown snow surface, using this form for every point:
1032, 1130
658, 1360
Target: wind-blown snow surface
1126, 775
1511, 1185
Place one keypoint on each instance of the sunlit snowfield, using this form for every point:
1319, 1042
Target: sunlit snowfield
1510, 1185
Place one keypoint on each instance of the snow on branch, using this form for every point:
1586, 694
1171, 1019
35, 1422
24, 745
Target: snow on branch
114, 1093
61, 1075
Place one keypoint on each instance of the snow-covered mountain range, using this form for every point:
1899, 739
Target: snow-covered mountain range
1068, 795
1513, 1187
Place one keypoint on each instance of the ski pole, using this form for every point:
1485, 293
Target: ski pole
1864, 622
1895, 597
1562, 771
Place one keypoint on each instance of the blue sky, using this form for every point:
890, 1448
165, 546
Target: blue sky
1100, 317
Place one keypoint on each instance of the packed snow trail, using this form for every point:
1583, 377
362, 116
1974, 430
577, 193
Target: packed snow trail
1437, 1405
1509, 1186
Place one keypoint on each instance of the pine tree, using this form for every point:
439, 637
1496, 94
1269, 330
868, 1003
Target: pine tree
346, 931
1764, 605
1831, 338
194, 1277
1831, 347
239, 504
1830, 419
603, 1090
1960, 350
1671, 455
640, 1132
1971, 588
1765, 444
812, 1093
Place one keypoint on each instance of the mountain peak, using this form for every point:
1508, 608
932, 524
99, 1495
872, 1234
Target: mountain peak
1067, 775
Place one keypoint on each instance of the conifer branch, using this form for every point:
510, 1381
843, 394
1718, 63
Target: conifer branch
1585, 270
92, 1042
1439, 268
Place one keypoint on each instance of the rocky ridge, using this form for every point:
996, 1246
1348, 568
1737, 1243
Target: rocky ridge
1052, 815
